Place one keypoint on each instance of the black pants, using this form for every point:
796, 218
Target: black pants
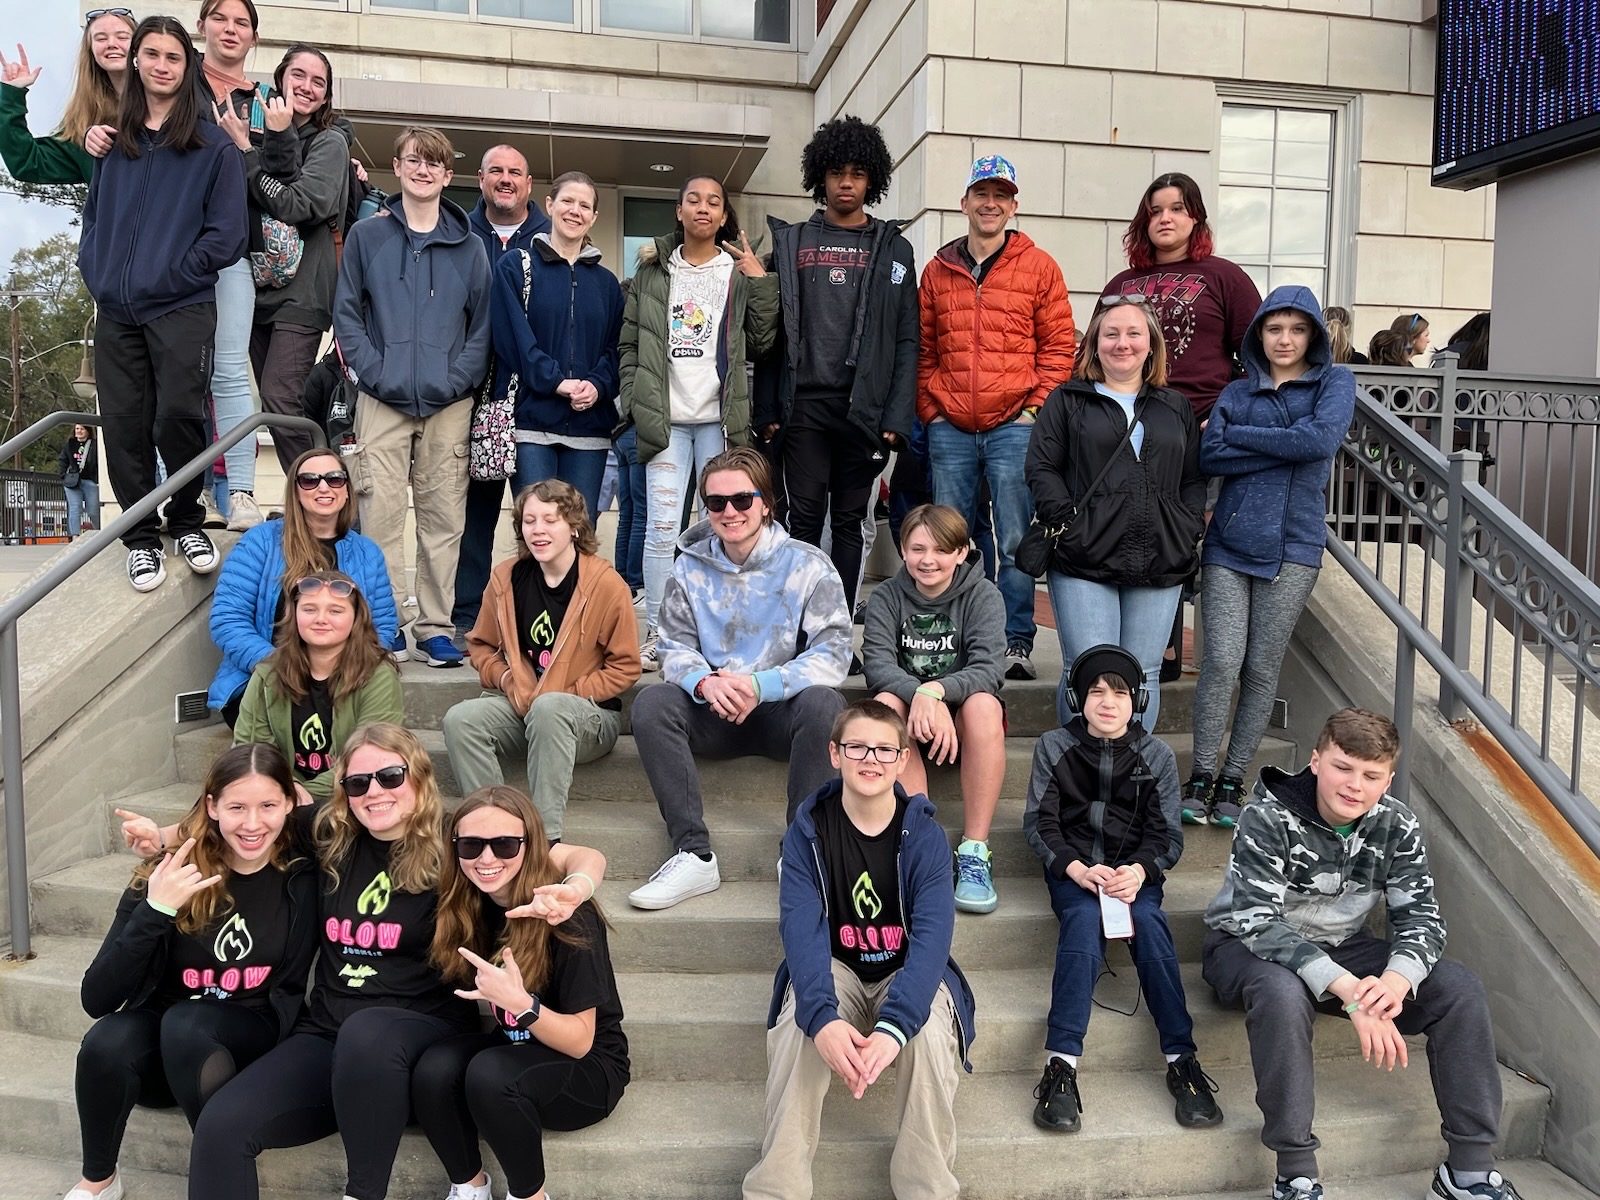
309, 1086
1450, 1009
511, 1094
828, 475
282, 356
147, 1056
670, 730
153, 380
477, 549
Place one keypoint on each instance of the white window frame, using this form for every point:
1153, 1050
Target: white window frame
586, 19
1344, 173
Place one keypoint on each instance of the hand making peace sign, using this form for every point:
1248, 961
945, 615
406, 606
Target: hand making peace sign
746, 259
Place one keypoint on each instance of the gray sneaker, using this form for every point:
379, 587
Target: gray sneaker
243, 512
649, 653
1019, 663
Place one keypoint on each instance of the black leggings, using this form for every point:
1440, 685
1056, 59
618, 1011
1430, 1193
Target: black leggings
147, 1056
828, 475
312, 1084
512, 1094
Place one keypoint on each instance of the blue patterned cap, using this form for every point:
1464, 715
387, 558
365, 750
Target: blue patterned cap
993, 166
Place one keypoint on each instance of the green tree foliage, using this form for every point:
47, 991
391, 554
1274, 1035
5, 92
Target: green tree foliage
48, 365
58, 195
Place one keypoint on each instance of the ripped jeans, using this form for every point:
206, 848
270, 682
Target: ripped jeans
670, 479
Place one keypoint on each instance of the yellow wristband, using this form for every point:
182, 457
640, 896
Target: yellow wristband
581, 875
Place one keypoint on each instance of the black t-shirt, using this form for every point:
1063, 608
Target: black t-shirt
580, 978
311, 730
930, 645
374, 945
236, 957
832, 263
868, 929
540, 610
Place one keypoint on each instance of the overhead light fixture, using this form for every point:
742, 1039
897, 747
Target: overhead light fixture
664, 168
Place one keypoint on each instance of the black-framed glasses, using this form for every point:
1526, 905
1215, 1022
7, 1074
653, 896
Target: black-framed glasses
740, 501
309, 481
388, 779
505, 848
94, 14
311, 585
860, 752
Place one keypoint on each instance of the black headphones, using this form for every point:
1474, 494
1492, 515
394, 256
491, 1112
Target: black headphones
1105, 659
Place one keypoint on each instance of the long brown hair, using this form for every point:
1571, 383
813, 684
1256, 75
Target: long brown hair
181, 130
460, 922
210, 853
362, 657
303, 552
1089, 366
414, 860
94, 100
323, 117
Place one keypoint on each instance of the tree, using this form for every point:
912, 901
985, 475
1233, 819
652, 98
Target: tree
58, 195
52, 336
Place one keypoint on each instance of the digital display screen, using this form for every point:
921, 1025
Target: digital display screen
1517, 86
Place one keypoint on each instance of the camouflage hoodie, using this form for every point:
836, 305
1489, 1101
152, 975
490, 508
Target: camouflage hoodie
1294, 888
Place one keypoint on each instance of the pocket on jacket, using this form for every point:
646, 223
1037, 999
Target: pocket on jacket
1094, 537
1249, 520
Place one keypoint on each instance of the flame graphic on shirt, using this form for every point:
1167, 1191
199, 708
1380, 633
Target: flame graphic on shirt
234, 942
356, 976
865, 897
375, 897
313, 734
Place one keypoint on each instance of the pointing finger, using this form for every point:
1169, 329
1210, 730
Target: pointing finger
474, 959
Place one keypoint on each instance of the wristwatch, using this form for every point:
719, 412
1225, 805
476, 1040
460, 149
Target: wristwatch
528, 1017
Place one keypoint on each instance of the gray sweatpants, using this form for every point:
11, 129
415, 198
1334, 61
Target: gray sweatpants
1450, 1009
1247, 624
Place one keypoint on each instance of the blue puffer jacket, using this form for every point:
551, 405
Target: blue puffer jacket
1274, 447
927, 904
250, 584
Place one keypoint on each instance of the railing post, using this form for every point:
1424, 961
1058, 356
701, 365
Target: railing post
1444, 434
16, 819
1455, 634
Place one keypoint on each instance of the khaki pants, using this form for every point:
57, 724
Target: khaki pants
926, 1071
430, 455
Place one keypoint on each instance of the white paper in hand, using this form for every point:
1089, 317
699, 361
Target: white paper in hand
1116, 917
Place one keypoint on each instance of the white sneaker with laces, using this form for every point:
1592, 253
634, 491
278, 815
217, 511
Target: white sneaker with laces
114, 1192
650, 652
471, 1191
146, 569
199, 552
682, 876
243, 512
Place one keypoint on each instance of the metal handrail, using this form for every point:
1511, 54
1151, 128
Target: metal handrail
58, 572
42, 426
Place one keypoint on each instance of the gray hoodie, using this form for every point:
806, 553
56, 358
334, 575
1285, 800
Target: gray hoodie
958, 638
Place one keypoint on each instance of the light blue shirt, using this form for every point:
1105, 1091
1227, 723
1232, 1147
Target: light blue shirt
1126, 399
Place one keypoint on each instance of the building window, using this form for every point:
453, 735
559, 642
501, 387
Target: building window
734, 20
1275, 200
644, 218
559, 11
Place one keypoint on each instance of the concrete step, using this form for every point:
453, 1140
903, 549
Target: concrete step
732, 929
696, 1139
620, 776
746, 834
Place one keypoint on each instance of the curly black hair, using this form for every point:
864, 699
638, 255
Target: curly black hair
846, 142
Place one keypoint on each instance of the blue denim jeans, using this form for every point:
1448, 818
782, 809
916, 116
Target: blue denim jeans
669, 481
583, 469
631, 510
1139, 619
230, 371
1080, 950
960, 460
83, 500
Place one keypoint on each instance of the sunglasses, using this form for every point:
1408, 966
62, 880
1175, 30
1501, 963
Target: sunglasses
504, 848
94, 14
311, 585
388, 779
307, 481
741, 501
1124, 298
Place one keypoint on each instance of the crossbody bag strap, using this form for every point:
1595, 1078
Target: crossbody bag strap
1127, 436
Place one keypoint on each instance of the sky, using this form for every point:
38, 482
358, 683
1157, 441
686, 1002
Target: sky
50, 32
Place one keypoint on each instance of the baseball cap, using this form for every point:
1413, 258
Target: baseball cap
1105, 659
993, 166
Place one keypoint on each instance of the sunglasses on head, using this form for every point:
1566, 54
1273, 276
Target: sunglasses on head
311, 585
94, 14
307, 481
388, 779
1124, 298
504, 848
741, 501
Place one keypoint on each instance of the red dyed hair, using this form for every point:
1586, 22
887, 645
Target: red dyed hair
1136, 243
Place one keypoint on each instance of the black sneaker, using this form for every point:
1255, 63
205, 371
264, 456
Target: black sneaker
1192, 1088
1197, 799
1497, 1187
855, 664
1227, 801
1059, 1103
146, 569
199, 552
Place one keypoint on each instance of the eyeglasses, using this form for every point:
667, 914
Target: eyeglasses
740, 501
1123, 298
860, 752
94, 14
311, 585
412, 163
309, 481
388, 779
504, 848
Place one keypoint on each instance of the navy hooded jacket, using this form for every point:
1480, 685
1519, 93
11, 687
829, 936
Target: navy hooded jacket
158, 228
1274, 446
522, 239
568, 330
926, 901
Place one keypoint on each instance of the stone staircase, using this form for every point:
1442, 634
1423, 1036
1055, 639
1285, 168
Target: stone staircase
695, 982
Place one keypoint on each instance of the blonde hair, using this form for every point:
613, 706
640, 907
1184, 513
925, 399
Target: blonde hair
414, 860
1337, 322
94, 100
1089, 366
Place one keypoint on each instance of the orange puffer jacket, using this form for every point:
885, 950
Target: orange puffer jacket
986, 352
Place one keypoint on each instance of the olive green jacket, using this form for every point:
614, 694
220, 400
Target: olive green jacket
749, 325
265, 716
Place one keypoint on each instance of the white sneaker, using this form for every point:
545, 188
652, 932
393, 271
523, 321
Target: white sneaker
650, 652
470, 1191
146, 569
114, 1192
680, 877
243, 512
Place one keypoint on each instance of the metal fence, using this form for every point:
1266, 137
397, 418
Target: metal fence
35, 507
1510, 625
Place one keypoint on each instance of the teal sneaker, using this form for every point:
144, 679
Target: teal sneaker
975, 878
1227, 802
1197, 799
